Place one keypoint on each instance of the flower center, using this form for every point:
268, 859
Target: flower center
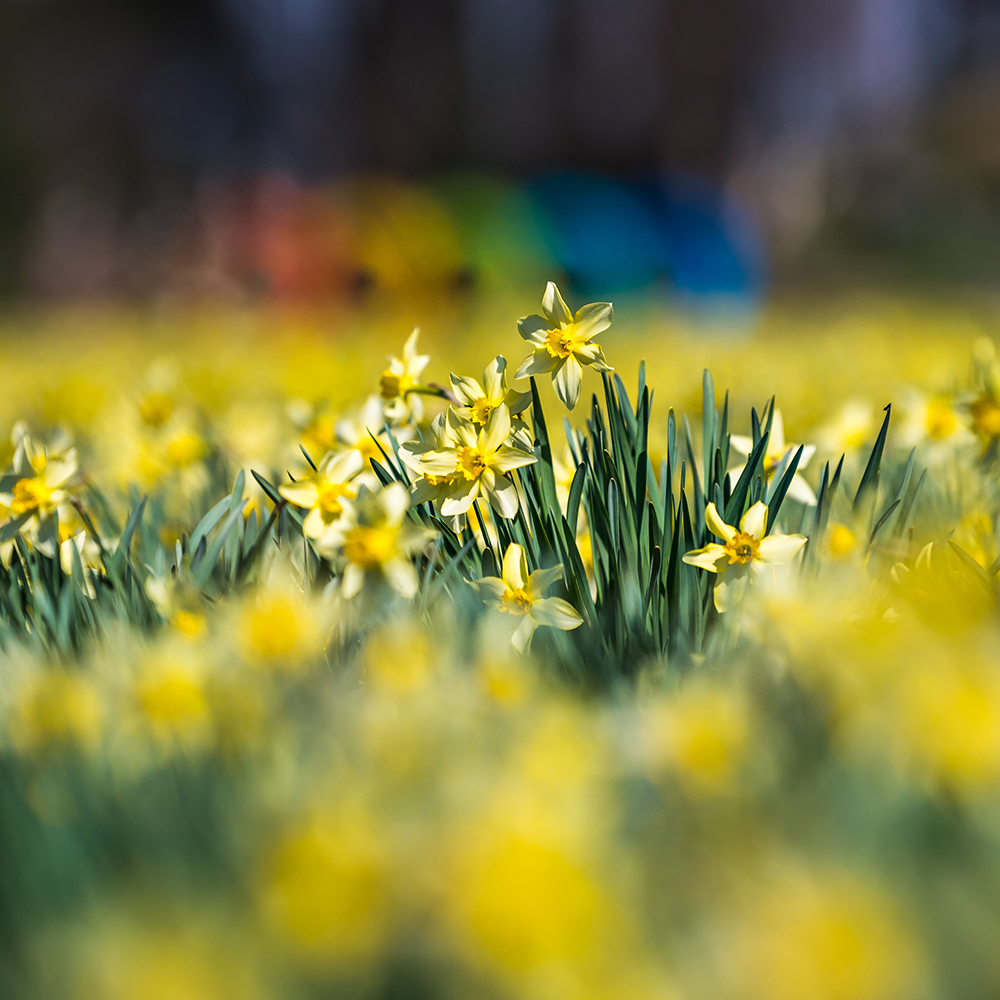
742, 548
329, 497
563, 342
516, 601
471, 463
940, 419
29, 495
986, 416
480, 410
156, 409
369, 547
392, 386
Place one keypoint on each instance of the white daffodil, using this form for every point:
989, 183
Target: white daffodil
777, 450
324, 491
475, 465
477, 402
364, 432
743, 550
563, 343
37, 492
89, 553
520, 593
371, 538
397, 383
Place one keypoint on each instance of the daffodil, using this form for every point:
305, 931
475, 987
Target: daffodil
372, 538
37, 491
477, 463
477, 401
397, 384
323, 492
520, 593
743, 550
364, 432
563, 343
775, 453
88, 552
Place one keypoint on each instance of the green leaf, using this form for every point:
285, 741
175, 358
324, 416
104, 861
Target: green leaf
869, 479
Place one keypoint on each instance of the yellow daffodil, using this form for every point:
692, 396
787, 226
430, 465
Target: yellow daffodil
777, 450
397, 383
372, 538
563, 343
355, 432
744, 549
520, 593
324, 491
476, 464
477, 401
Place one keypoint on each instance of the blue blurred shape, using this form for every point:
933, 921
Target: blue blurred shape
611, 236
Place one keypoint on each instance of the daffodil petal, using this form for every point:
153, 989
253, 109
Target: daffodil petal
534, 328
730, 588
568, 380
460, 498
490, 590
503, 497
539, 363
402, 576
775, 550
468, 390
302, 494
741, 444
497, 429
506, 458
554, 306
754, 521
716, 525
800, 490
707, 558
555, 612
523, 633
593, 318
495, 378
542, 579
515, 567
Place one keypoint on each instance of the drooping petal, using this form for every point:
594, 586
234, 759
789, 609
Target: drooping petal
534, 328
537, 363
502, 496
523, 632
466, 389
776, 550
556, 612
421, 491
568, 379
495, 379
517, 402
593, 319
506, 458
460, 498
313, 525
554, 306
302, 493
593, 355
515, 567
710, 558
352, 581
412, 451
776, 442
496, 430
716, 525
542, 579
402, 576
754, 521
800, 490
741, 444
394, 500
730, 588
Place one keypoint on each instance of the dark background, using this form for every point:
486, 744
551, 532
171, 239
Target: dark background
850, 133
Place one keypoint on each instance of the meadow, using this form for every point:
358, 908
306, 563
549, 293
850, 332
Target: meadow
588, 654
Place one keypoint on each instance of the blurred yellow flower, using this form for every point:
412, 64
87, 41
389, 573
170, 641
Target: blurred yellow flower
57, 707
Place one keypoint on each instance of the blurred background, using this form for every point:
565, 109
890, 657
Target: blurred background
313, 150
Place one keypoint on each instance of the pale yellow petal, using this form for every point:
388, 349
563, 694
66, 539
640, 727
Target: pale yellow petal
775, 550
716, 525
708, 558
754, 521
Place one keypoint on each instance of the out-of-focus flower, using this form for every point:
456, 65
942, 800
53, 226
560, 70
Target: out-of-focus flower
849, 430
364, 433
522, 594
323, 492
170, 695
774, 453
744, 550
933, 424
280, 629
563, 343
476, 464
89, 554
57, 708
701, 734
373, 539
477, 402
822, 938
325, 890
397, 385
